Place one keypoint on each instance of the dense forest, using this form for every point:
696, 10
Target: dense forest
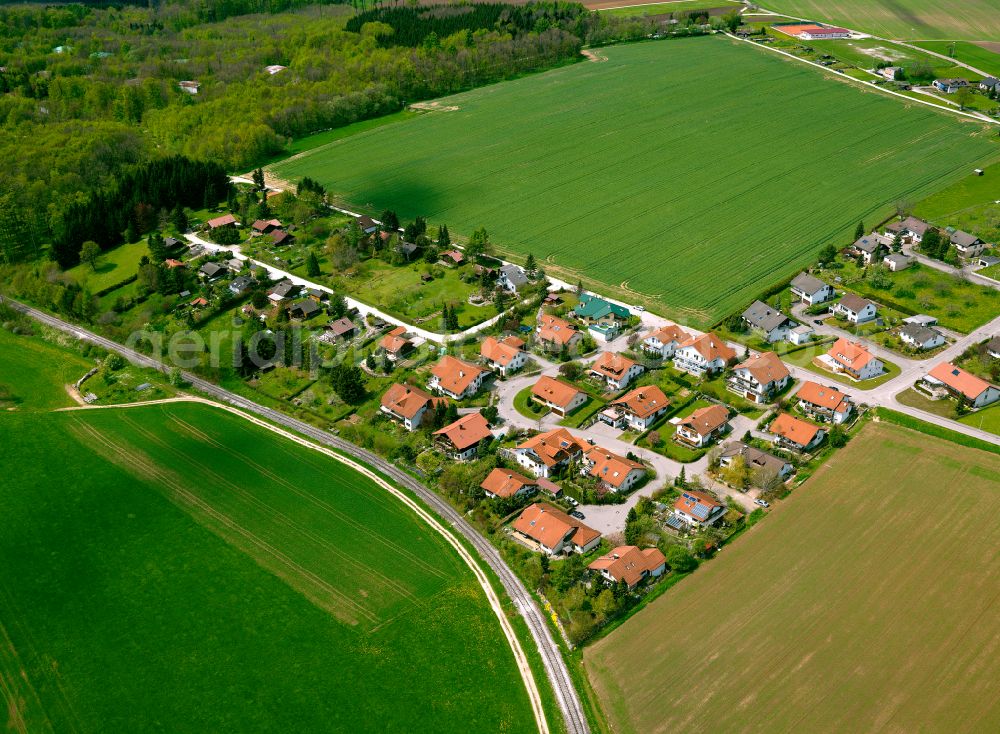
89, 93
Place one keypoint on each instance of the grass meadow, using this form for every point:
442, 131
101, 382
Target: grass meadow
969, 53
973, 20
113, 267
685, 175
864, 602
179, 569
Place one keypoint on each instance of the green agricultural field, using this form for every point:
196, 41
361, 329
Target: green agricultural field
34, 373
178, 568
678, 8
857, 605
969, 53
636, 174
973, 20
970, 204
113, 267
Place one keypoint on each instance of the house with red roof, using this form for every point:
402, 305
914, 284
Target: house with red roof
759, 377
456, 378
630, 564
553, 532
504, 484
395, 344
853, 359
662, 342
558, 396
703, 355
406, 404
697, 508
555, 333
795, 433
611, 471
615, 370
960, 383
504, 356
703, 426
460, 441
822, 403
226, 220
546, 453
638, 409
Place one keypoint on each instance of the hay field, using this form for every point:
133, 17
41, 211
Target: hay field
868, 601
685, 175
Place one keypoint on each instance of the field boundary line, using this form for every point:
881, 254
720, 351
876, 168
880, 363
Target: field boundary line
866, 85
520, 657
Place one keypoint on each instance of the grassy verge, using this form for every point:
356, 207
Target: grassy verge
901, 419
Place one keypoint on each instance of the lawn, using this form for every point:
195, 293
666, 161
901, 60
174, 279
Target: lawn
968, 53
619, 194
903, 19
34, 373
855, 606
968, 204
987, 419
113, 267
178, 564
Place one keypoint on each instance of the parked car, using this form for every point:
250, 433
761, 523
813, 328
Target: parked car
578, 515
640, 309
572, 502
818, 322
761, 503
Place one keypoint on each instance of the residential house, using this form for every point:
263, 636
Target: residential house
921, 319
317, 295
987, 261
396, 344
769, 322
545, 454
264, 226
990, 84
554, 532
511, 278
761, 464
342, 328
795, 433
240, 285
235, 265
701, 355
282, 238
628, 564
910, 228
212, 271
869, 248
811, 290
282, 291
921, 337
305, 309
505, 356
958, 382
823, 403
664, 341
453, 257
461, 440
703, 426
273, 69
699, 509
456, 378
172, 243
855, 309
558, 396
950, 86
967, 245
616, 370
897, 261
555, 333
637, 409
891, 72
191, 87
504, 484
366, 224
613, 472
801, 334
226, 220
760, 377
993, 347
852, 358
406, 249
406, 404
604, 319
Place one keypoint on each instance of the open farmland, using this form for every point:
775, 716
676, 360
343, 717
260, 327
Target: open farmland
865, 602
686, 175
973, 20
180, 569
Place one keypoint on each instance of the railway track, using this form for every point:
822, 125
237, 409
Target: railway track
574, 720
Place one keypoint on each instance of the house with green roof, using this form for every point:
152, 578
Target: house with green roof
604, 319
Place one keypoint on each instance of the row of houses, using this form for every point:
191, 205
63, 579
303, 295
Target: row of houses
912, 230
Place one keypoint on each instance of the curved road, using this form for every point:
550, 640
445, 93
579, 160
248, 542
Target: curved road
555, 667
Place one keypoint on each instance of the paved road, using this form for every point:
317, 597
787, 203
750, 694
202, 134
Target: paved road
555, 667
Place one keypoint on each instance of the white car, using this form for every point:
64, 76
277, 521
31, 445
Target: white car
640, 309
761, 503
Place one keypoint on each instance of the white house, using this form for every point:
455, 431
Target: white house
703, 426
553, 532
921, 337
993, 347
824, 403
406, 404
558, 396
897, 261
705, 354
967, 245
769, 322
869, 247
504, 356
855, 309
800, 334
616, 473
456, 378
698, 508
546, 453
664, 341
910, 228
811, 290
853, 359
958, 382
759, 377
638, 408
511, 277
794, 433
616, 370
